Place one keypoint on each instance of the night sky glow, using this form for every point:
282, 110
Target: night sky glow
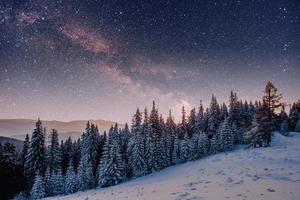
76, 59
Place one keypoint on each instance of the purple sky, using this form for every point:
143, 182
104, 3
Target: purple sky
101, 60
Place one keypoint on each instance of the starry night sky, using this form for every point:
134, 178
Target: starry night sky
77, 59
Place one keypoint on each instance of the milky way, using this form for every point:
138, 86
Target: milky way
76, 59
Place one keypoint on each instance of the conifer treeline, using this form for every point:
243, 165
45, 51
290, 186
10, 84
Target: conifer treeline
101, 160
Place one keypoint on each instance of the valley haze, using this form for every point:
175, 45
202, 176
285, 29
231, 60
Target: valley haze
18, 128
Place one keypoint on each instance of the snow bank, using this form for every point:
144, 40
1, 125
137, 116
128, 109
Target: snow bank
264, 173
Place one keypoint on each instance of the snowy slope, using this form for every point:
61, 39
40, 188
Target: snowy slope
265, 173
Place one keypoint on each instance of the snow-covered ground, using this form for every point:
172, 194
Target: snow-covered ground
264, 173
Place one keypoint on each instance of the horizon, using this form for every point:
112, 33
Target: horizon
176, 115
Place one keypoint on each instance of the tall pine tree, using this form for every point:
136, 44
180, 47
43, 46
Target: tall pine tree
53, 152
226, 137
170, 132
112, 169
38, 188
213, 116
272, 100
24, 152
260, 134
137, 148
158, 157
35, 158
70, 182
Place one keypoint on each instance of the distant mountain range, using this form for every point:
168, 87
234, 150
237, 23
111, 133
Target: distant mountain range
18, 128
17, 143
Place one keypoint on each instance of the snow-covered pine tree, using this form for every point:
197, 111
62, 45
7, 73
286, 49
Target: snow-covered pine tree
247, 116
170, 135
113, 134
223, 112
164, 142
213, 116
185, 150
85, 176
76, 148
254, 136
176, 151
159, 154
125, 136
25, 148
158, 159
38, 188
124, 139
260, 134
112, 169
214, 144
251, 109
110, 134
58, 182
194, 147
103, 163
191, 123
66, 149
53, 152
71, 183
166, 155
203, 144
136, 147
149, 153
294, 115
93, 146
199, 125
233, 112
147, 133
238, 134
35, 158
183, 127
199, 145
99, 149
246, 122
200, 111
48, 183
226, 138
235, 117
116, 134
